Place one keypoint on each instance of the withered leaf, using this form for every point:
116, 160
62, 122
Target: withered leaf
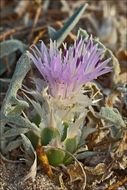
44, 160
98, 170
120, 156
62, 182
30, 151
77, 180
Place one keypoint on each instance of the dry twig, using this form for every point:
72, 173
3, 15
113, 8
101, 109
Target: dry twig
117, 184
10, 32
39, 36
35, 21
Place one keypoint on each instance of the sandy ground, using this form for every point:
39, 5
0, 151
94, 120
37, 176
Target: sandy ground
11, 178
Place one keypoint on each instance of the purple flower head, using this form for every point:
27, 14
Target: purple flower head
66, 72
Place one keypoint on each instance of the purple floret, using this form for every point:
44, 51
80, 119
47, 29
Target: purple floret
66, 73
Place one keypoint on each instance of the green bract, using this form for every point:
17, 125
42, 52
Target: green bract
60, 125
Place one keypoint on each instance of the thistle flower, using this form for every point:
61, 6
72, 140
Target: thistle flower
65, 106
67, 72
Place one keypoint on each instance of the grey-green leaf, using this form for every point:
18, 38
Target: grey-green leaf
9, 46
86, 154
11, 100
61, 34
17, 110
14, 132
83, 33
27, 144
13, 145
52, 32
112, 115
116, 132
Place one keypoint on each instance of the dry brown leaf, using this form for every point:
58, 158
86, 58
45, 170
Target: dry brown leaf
123, 145
123, 78
62, 182
112, 98
95, 135
93, 90
101, 173
2, 158
78, 166
31, 158
98, 170
120, 156
122, 55
33, 169
76, 177
21, 7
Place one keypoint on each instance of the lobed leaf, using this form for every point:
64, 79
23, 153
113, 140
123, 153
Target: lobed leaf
27, 144
14, 132
116, 67
11, 104
16, 111
33, 138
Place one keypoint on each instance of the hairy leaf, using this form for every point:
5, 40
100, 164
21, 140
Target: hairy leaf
111, 115
61, 34
11, 102
86, 154
9, 46
14, 132
13, 145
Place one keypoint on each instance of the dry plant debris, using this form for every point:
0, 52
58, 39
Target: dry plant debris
26, 22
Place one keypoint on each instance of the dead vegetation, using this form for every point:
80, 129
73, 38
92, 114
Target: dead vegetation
28, 21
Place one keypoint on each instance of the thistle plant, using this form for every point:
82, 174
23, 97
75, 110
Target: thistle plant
60, 103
